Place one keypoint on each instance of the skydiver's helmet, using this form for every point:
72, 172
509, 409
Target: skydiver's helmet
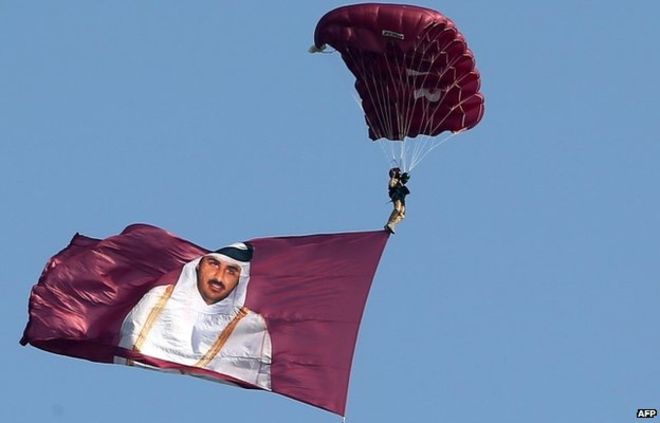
395, 172
405, 177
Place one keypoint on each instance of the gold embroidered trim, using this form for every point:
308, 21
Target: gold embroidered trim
151, 319
210, 354
222, 339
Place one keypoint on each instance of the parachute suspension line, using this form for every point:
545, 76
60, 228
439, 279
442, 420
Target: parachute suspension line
381, 97
379, 103
407, 113
419, 144
390, 157
394, 114
403, 109
379, 100
430, 110
411, 73
361, 68
394, 100
409, 104
384, 96
437, 143
416, 149
423, 146
401, 152
409, 77
393, 159
433, 126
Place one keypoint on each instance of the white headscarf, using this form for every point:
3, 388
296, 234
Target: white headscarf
186, 289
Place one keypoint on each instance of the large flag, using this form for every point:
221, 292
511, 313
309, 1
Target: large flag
280, 314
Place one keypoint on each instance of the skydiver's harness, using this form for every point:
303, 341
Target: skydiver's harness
397, 190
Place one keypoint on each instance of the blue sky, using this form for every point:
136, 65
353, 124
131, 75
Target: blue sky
523, 285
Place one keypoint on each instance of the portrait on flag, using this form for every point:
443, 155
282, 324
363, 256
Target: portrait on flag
201, 321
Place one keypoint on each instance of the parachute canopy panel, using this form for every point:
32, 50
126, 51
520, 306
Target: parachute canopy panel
414, 71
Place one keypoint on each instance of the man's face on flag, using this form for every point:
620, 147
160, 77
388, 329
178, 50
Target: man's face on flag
216, 279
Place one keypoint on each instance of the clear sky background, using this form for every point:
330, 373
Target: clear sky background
523, 286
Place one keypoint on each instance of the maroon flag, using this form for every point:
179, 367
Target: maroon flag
279, 314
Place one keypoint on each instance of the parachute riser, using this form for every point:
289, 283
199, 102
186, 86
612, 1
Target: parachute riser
406, 154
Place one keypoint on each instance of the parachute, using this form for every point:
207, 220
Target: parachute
415, 75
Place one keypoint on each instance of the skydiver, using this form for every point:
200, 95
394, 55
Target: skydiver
397, 191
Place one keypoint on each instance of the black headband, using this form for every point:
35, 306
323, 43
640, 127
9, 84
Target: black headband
236, 253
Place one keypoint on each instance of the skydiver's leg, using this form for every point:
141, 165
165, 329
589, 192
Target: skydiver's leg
400, 210
396, 216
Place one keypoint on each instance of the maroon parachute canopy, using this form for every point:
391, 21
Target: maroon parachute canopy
415, 73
